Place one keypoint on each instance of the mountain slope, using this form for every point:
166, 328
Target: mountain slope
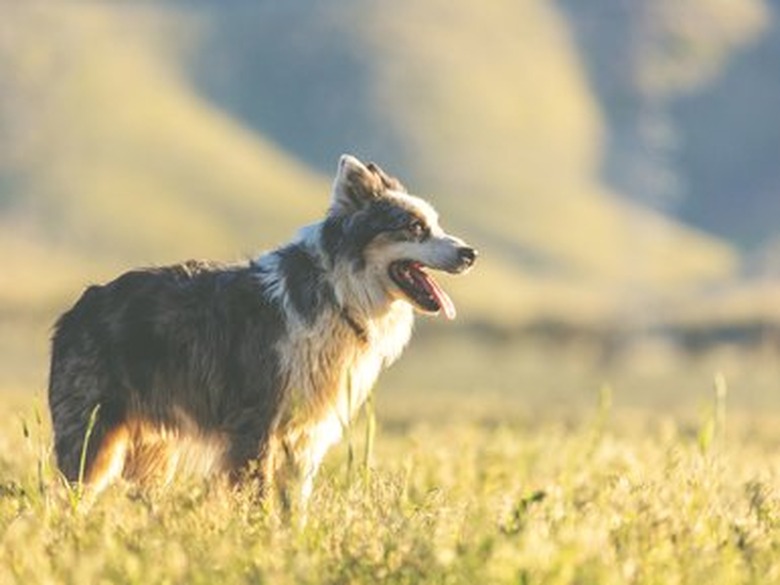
704, 73
495, 109
128, 142
112, 159
485, 109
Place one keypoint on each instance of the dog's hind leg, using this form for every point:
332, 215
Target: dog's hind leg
254, 459
252, 452
93, 454
109, 460
151, 460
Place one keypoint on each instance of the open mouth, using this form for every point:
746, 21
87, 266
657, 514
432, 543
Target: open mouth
420, 288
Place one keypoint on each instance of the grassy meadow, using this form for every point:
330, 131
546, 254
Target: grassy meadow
548, 479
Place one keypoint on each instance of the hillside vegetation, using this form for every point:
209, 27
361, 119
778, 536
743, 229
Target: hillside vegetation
129, 163
113, 160
485, 109
686, 87
145, 133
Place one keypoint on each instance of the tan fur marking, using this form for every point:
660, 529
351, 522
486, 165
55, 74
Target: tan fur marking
110, 459
157, 454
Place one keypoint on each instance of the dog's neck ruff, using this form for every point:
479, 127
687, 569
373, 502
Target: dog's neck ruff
271, 271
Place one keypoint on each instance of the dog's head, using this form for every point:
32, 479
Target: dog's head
391, 237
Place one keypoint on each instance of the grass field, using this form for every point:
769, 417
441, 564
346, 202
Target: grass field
605, 494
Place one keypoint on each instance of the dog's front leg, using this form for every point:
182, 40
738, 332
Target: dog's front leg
287, 476
303, 459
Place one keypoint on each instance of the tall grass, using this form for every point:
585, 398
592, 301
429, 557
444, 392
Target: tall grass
608, 499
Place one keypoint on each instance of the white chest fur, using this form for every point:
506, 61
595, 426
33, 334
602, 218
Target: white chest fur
387, 337
331, 371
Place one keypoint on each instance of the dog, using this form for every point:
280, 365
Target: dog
221, 369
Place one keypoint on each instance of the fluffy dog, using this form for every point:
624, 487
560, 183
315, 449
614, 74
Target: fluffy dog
221, 368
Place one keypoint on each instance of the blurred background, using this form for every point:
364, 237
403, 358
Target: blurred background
616, 162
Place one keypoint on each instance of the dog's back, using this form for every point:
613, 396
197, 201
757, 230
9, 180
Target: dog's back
177, 352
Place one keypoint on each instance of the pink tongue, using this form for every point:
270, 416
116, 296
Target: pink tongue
438, 292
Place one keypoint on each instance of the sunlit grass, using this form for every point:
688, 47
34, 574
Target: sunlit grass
456, 502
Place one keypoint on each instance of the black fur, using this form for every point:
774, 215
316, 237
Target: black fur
307, 287
192, 337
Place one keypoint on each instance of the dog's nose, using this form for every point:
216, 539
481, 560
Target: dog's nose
467, 256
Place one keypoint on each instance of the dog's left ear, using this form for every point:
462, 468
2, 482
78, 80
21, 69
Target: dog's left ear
356, 185
388, 182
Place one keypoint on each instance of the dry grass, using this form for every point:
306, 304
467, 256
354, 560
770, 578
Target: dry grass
602, 500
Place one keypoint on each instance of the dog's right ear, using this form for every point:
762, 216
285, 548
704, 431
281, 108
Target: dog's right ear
355, 186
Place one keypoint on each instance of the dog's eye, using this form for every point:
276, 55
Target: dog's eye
417, 230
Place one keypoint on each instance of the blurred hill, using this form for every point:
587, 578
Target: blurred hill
486, 109
688, 89
588, 161
110, 159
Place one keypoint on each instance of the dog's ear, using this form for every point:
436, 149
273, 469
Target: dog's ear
355, 186
388, 182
